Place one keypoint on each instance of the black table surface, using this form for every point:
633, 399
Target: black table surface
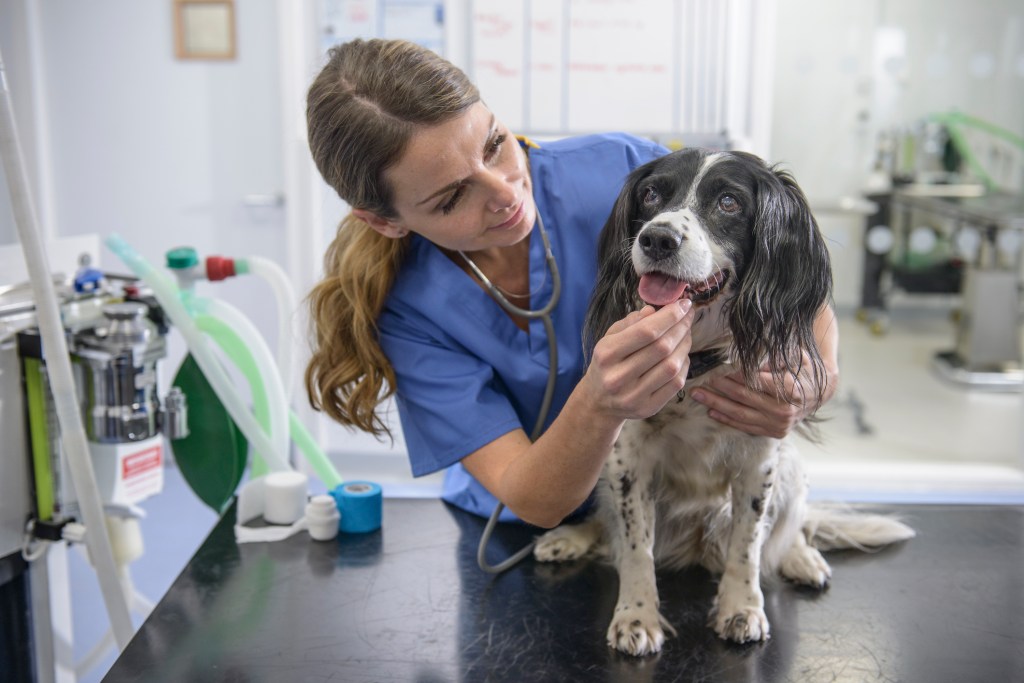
408, 603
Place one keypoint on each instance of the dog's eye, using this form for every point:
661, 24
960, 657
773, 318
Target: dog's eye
651, 196
728, 204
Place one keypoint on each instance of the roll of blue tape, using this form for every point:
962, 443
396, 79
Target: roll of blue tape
360, 504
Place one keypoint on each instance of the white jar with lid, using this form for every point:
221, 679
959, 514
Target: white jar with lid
322, 517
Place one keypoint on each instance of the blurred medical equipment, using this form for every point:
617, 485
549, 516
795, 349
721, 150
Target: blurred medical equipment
950, 221
116, 328
80, 402
115, 337
59, 375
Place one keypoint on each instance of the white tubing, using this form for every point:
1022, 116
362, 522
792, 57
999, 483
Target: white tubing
285, 295
276, 401
166, 293
58, 368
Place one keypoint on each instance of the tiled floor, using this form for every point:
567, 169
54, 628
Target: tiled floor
926, 441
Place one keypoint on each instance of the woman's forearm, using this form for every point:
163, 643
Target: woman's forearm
556, 474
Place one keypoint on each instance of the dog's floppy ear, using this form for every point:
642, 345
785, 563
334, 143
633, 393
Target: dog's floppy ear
787, 281
617, 281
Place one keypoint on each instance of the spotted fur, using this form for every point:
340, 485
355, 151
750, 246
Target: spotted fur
680, 488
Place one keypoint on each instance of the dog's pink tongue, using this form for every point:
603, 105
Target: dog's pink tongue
659, 290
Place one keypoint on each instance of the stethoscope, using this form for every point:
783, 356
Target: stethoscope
544, 314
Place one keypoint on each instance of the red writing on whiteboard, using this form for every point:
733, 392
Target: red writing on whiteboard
641, 68
499, 68
492, 25
593, 67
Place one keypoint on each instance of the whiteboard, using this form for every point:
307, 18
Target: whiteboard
579, 66
669, 69
420, 21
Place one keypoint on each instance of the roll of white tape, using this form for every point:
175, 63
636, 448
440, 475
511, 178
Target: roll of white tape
284, 497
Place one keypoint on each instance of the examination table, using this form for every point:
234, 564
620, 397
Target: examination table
408, 603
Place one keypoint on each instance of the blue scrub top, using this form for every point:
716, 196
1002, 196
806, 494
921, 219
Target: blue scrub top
466, 374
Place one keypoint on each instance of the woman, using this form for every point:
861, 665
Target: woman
448, 207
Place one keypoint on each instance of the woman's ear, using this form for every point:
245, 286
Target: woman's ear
384, 226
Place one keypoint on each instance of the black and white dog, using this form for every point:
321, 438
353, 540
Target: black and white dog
737, 237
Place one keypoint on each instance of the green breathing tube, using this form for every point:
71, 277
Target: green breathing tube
955, 123
241, 355
172, 300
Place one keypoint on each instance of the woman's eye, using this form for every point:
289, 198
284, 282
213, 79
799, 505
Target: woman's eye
651, 196
495, 146
448, 206
728, 204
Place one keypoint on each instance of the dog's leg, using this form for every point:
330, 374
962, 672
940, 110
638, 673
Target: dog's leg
787, 548
805, 565
637, 627
571, 541
738, 614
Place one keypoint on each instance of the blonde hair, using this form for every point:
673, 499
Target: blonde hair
361, 111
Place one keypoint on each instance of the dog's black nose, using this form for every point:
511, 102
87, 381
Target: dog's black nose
659, 241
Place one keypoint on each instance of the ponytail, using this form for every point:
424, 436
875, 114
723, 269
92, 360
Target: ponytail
349, 375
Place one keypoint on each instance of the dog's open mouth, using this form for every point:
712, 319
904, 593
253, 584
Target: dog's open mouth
659, 289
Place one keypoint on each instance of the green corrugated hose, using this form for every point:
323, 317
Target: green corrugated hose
212, 459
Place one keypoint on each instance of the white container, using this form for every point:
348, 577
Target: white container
322, 517
284, 497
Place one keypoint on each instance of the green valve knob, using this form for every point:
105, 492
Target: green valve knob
182, 257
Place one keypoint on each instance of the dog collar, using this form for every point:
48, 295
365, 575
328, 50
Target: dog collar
704, 361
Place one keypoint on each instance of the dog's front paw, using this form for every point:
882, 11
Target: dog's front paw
744, 625
638, 631
563, 544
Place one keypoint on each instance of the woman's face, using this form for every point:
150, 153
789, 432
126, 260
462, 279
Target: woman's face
463, 185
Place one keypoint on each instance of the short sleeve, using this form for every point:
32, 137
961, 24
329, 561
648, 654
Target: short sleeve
450, 402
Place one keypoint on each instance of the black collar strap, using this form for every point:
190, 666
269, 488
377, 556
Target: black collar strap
703, 361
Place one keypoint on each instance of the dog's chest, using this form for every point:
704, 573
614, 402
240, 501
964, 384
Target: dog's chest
685, 424
687, 450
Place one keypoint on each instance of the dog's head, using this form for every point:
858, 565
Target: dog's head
732, 234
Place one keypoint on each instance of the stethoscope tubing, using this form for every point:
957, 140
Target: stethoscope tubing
544, 313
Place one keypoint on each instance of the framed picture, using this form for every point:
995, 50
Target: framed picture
204, 29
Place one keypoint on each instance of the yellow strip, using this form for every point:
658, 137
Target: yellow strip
527, 142
34, 395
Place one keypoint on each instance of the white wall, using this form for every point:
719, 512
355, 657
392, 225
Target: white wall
15, 45
159, 150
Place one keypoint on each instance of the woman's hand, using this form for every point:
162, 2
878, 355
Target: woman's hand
641, 362
637, 367
764, 410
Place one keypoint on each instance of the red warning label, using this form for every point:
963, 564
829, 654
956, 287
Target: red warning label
139, 464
